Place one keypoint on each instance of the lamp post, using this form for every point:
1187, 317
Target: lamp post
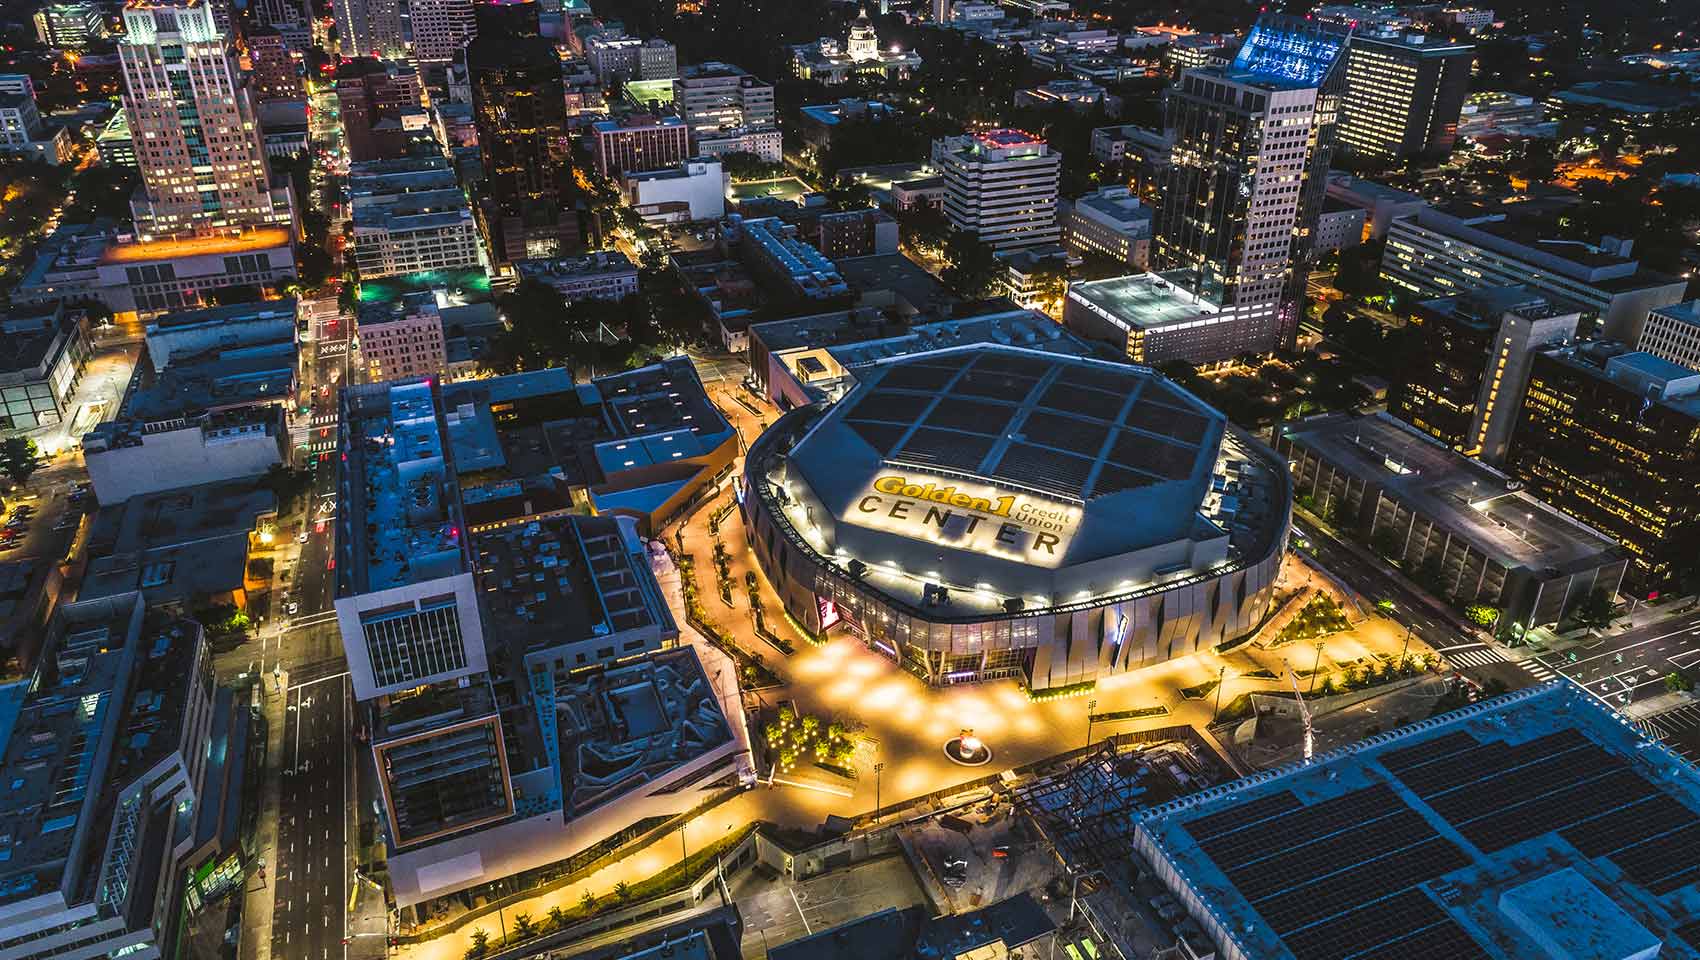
1091, 705
1316, 666
1405, 647
879, 768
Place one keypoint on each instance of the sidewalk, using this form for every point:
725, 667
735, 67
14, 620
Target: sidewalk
259, 896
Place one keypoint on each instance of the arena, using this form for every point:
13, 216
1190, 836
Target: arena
991, 511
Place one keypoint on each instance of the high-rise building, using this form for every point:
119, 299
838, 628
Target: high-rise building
275, 74
401, 338
719, 96
278, 13
367, 92
941, 11
1404, 92
1001, 186
368, 28
1612, 438
1471, 364
1244, 186
410, 215
616, 58
519, 106
440, 28
1673, 333
69, 26
191, 113
638, 143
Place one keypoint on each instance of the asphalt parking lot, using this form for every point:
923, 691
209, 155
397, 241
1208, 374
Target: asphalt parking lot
1677, 729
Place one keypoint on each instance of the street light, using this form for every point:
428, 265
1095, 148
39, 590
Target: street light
879, 768
1316, 666
1221, 679
1091, 705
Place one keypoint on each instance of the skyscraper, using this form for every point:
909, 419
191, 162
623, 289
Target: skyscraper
440, 28
1252, 141
1403, 94
191, 113
1001, 186
368, 28
519, 106
275, 74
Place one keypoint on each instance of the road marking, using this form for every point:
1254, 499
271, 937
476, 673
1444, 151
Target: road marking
1628, 647
1479, 657
806, 928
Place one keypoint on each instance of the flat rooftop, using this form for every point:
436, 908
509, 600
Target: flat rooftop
248, 241
232, 313
1484, 307
398, 506
1145, 301
1424, 842
634, 723
106, 702
1464, 496
213, 379
897, 273
561, 580
30, 337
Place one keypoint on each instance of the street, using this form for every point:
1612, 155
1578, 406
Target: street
1632, 666
1372, 579
311, 869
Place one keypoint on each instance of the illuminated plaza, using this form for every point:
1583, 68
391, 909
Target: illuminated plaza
1001, 512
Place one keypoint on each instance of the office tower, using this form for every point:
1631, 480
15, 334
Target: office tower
278, 13
1436, 252
1001, 186
367, 92
519, 106
410, 215
638, 142
275, 74
1244, 186
368, 28
728, 111
440, 28
191, 113
1470, 364
1612, 438
1673, 333
1403, 95
941, 11
69, 26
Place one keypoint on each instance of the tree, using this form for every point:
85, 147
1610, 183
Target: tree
524, 928
480, 944
587, 900
1675, 682
1594, 611
622, 892
18, 458
1480, 614
972, 272
557, 918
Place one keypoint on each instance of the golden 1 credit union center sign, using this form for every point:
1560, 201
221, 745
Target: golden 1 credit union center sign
1014, 526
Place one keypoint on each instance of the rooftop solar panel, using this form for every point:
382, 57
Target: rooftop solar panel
1690, 933
1074, 399
1429, 750
1111, 381
1020, 364
1114, 479
997, 386
1043, 469
974, 416
883, 437
916, 377
1613, 790
945, 448
1302, 904
1355, 931
891, 407
1635, 822
1242, 815
1445, 939
1084, 437
1665, 862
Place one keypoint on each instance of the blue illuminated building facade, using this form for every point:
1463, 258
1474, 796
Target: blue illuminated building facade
1244, 135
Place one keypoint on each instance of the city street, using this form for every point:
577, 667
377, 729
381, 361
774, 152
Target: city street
311, 870
1373, 579
1632, 666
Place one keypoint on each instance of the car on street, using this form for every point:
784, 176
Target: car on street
302, 538
293, 608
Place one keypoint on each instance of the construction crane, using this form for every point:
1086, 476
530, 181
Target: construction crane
1304, 711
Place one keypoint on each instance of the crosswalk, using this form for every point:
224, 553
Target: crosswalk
1478, 656
1481, 655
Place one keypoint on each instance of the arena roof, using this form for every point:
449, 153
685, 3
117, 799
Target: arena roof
1132, 452
1076, 429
